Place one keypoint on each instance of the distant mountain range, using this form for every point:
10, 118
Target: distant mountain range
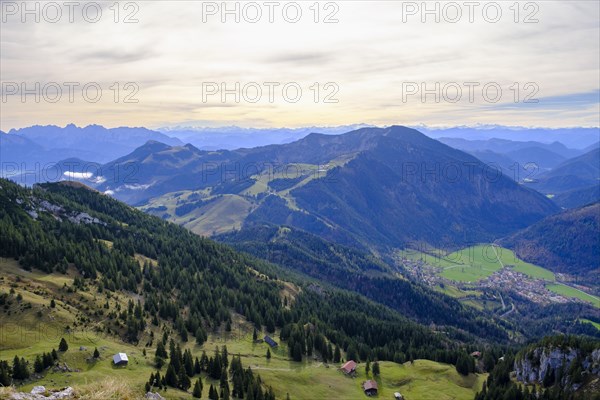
575, 138
233, 137
373, 187
574, 182
505, 146
577, 173
46, 145
570, 176
519, 160
344, 187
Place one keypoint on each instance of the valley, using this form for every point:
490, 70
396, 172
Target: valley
307, 200
480, 268
308, 256
114, 305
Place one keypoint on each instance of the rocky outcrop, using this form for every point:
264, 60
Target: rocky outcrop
40, 392
543, 364
534, 366
58, 212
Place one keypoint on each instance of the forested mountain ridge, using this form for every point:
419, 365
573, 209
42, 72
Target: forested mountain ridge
195, 285
359, 272
346, 188
566, 242
409, 187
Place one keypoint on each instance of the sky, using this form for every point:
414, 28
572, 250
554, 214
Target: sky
305, 63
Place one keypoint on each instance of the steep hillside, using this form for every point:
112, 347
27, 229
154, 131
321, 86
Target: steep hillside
578, 197
567, 242
503, 162
360, 272
554, 368
133, 278
543, 158
541, 362
370, 187
408, 187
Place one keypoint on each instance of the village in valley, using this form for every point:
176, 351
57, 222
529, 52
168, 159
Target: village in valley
505, 279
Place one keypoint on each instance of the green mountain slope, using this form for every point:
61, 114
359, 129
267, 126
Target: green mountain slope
373, 187
155, 277
411, 188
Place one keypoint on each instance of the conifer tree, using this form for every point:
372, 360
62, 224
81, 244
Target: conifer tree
197, 392
376, 368
184, 380
38, 365
337, 356
171, 376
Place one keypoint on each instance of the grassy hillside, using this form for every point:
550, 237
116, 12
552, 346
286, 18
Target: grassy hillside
31, 327
27, 334
594, 324
426, 380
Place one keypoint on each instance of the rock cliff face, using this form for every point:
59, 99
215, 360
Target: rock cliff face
546, 364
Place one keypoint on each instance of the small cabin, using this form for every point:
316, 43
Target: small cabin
370, 388
349, 367
270, 341
398, 396
476, 354
120, 359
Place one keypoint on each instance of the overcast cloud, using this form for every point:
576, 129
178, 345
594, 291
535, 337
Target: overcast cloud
368, 58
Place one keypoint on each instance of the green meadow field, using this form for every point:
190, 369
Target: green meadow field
478, 262
568, 291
